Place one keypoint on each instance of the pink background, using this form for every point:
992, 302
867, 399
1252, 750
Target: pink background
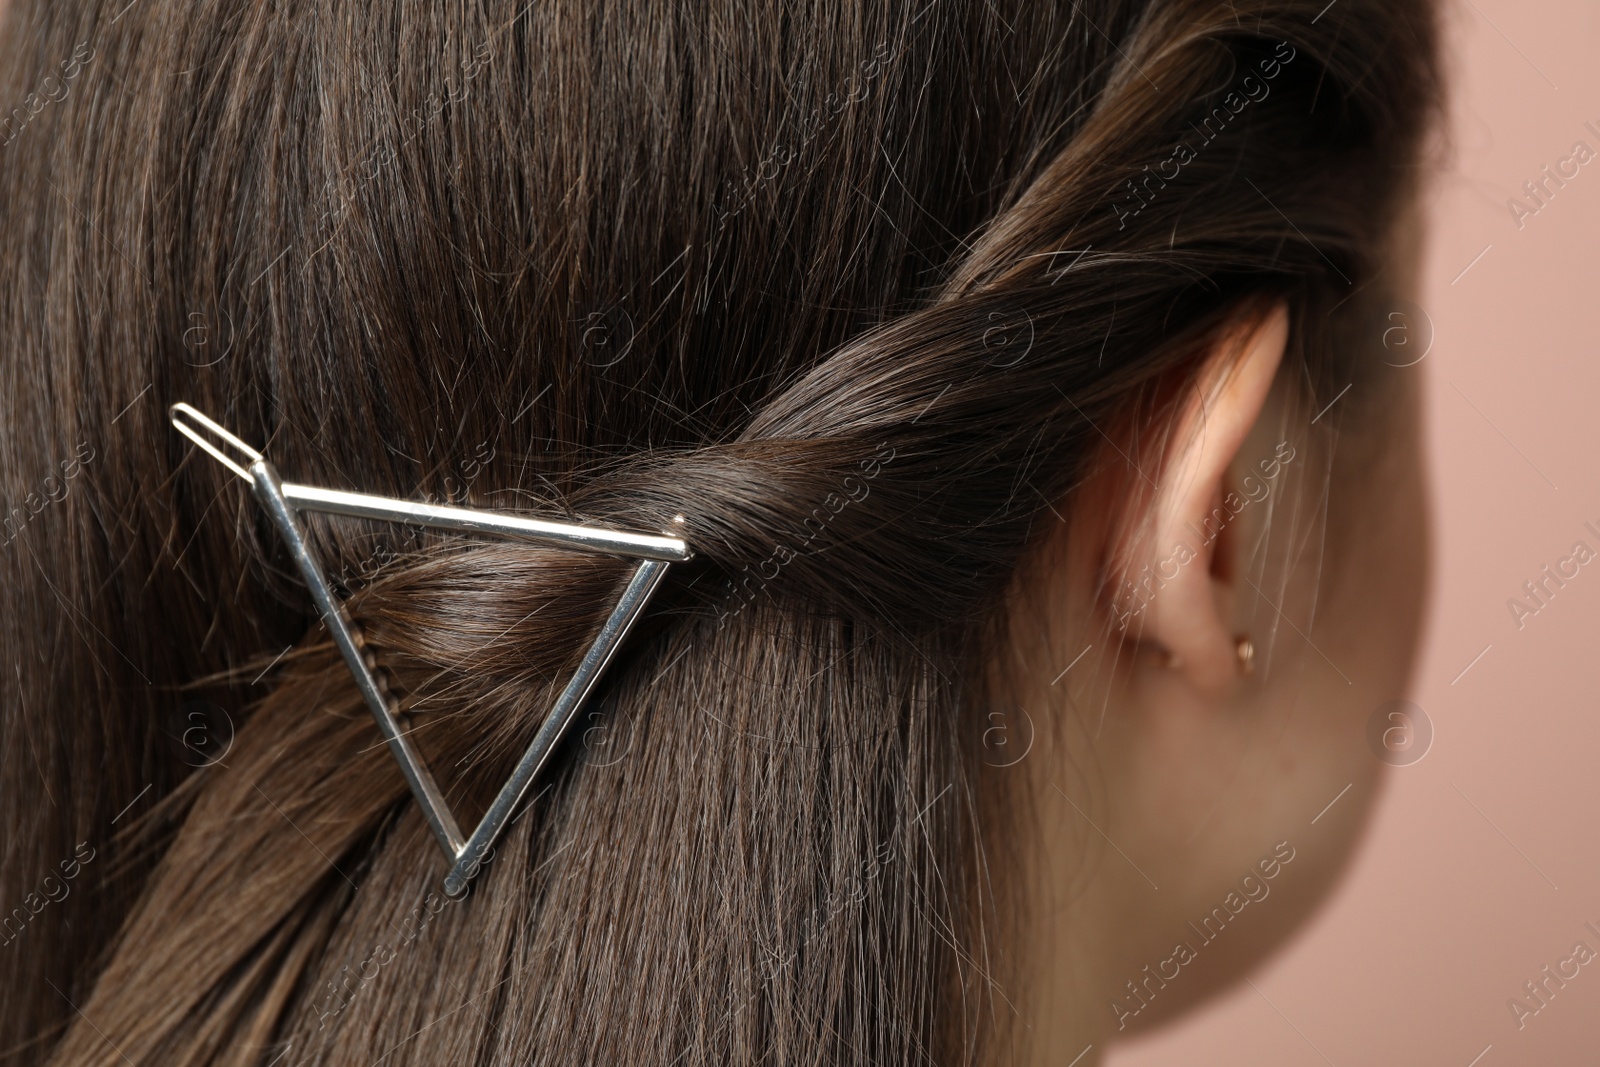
1448, 910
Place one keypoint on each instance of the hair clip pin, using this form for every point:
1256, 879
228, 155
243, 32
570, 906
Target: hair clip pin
284, 501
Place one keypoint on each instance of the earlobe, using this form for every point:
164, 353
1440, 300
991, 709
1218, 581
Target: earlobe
1188, 615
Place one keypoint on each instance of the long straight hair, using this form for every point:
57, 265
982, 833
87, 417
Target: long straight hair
850, 286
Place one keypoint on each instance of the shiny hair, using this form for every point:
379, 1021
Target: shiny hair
849, 285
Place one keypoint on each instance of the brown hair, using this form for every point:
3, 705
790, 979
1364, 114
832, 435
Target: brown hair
849, 285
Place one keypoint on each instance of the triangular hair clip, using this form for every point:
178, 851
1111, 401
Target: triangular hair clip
283, 501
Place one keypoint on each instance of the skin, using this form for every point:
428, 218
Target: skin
1157, 760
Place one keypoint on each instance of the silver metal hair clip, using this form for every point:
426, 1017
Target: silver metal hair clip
283, 500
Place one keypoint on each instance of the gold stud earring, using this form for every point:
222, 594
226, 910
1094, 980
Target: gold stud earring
1245, 651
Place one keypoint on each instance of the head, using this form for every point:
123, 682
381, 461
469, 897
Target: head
1014, 369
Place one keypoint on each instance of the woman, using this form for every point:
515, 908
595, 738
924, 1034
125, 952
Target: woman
1016, 369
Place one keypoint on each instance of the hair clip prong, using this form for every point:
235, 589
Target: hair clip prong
203, 432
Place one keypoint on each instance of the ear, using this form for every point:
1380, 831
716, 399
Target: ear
1176, 567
